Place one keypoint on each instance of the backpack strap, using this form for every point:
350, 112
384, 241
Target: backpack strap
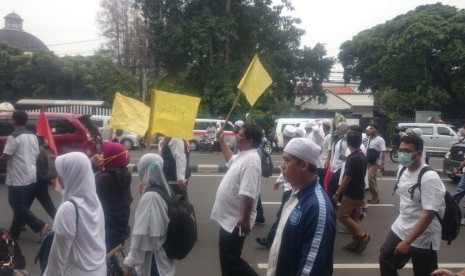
418, 184
75, 208
160, 191
402, 170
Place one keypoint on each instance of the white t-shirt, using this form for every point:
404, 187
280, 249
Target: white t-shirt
324, 151
410, 210
378, 144
338, 151
242, 178
21, 167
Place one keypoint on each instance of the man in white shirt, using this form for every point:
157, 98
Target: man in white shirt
236, 199
375, 144
416, 233
21, 151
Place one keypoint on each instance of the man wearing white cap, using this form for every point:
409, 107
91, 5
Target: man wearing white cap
305, 236
313, 132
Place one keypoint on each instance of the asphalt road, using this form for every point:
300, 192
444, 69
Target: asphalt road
203, 260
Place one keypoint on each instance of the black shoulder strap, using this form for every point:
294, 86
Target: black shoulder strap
160, 191
20, 131
402, 170
75, 208
418, 184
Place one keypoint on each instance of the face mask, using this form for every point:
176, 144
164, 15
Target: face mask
405, 159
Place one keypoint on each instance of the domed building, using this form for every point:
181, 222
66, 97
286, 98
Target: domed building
14, 35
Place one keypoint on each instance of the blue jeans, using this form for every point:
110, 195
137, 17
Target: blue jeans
458, 196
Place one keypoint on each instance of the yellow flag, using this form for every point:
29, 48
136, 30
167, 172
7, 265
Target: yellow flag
173, 114
129, 114
255, 81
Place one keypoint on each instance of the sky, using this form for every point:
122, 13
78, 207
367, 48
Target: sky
70, 27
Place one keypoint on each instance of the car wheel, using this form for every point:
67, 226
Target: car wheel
128, 144
193, 145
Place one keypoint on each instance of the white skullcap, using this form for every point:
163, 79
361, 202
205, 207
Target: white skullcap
299, 132
239, 123
327, 122
289, 131
310, 124
417, 132
304, 149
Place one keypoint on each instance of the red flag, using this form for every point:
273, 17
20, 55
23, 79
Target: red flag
43, 129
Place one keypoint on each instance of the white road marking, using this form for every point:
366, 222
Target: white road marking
369, 205
375, 265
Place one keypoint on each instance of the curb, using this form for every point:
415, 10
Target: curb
212, 168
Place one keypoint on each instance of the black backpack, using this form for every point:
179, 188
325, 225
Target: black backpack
267, 163
450, 223
182, 228
46, 244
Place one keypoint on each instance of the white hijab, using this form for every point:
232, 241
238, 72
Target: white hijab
151, 217
75, 170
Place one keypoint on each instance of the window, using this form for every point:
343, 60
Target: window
426, 130
443, 131
61, 126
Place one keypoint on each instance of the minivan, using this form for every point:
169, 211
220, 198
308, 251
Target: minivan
437, 138
128, 139
68, 132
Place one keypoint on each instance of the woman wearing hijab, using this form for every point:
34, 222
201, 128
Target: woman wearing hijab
150, 223
113, 184
77, 248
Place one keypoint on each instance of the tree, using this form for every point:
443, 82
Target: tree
128, 39
414, 60
205, 46
44, 75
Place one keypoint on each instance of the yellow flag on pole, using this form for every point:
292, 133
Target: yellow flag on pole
129, 114
255, 81
173, 114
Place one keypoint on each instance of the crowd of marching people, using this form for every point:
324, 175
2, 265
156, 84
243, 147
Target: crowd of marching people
325, 172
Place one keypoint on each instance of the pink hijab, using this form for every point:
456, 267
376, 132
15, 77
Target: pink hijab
115, 155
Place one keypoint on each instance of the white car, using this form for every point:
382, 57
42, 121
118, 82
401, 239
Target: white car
437, 138
128, 139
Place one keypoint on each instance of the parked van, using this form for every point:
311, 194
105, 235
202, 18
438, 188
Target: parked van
281, 123
200, 130
438, 138
128, 139
68, 132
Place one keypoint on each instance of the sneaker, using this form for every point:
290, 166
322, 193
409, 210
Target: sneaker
373, 201
364, 243
263, 242
259, 220
351, 247
462, 222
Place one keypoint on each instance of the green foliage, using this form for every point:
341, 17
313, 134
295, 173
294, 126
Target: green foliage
415, 61
46, 76
204, 47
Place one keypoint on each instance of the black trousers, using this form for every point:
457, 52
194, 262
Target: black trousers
18, 198
333, 185
230, 255
259, 207
274, 227
40, 191
424, 261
